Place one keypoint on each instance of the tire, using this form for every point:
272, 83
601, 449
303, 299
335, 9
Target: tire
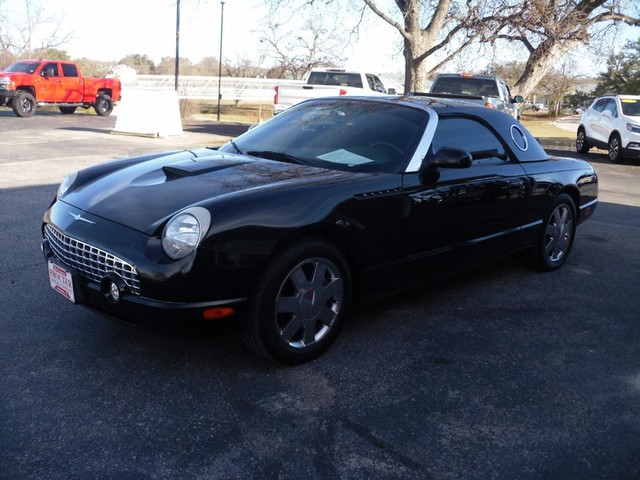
298, 308
24, 104
68, 110
615, 148
581, 142
553, 247
103, 105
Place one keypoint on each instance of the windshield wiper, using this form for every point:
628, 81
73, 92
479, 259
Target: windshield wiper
233, 144
284, 157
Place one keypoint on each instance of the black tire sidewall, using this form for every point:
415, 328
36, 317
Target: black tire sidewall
17, 104
99, 100
585, 147
261, 316
544, 262
618, 157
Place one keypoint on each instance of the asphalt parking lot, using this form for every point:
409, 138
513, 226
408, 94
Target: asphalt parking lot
502, 373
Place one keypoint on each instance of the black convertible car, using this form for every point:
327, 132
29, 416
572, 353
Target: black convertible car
333, 202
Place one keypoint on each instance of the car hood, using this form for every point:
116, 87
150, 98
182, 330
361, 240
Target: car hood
144, 195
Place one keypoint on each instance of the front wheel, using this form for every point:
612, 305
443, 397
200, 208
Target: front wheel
615, 148
103, 105
581, 142
24, 104
552, 248
298, 308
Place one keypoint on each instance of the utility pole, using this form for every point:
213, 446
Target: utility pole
220, 59
177, 69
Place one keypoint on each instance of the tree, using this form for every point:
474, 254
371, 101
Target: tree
438, 29
435, 30
29, 31
558, 84
295, 50
142, 64
548, 29
623, 72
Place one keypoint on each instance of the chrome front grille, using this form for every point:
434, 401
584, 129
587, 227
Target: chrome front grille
92, 262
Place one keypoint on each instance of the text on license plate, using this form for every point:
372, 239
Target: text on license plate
61, 281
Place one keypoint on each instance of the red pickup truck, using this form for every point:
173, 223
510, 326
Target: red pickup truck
29, 83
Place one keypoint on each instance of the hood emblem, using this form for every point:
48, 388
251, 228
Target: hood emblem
80, 218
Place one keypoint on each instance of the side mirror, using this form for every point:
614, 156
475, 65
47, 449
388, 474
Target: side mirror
391, 91
518, 99
451, 157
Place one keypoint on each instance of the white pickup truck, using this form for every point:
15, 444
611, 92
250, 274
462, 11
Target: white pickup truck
488, 90
328, 82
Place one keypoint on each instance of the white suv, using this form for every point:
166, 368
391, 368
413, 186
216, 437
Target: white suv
612, 122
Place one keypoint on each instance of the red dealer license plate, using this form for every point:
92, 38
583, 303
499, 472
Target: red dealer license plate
61, 281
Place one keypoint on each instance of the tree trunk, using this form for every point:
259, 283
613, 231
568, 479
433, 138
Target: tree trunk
414, 70
541, 61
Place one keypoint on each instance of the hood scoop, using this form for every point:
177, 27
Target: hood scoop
192, 168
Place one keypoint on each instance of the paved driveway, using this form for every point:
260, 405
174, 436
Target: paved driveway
502, 373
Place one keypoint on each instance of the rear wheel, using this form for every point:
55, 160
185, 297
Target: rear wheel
554, 244
581, 141
298, 308
67, 110
103, 105
615, 148
24, 104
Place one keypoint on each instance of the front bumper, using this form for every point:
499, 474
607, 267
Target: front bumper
136, 308
6, 95
95, 251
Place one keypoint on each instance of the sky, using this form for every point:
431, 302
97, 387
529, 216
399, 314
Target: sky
111, 30
148, 27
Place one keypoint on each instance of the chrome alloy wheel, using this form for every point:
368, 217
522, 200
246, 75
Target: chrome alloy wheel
615, 149
559, 233
309, 302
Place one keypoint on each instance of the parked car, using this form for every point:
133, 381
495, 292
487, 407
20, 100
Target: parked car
29, 83
612, 123
487, 90
328, 82
332, 203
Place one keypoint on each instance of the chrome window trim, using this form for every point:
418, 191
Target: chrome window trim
423, 147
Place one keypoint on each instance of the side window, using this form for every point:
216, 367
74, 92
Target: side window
611, 107
600, 104
378, 86
49, 70
370, 81
503, 91
69, 70
469, 135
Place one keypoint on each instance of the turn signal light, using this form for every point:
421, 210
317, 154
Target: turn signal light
489, 105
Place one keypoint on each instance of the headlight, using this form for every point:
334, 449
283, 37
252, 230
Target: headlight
633, 127
6, 82
66, 183
183, 232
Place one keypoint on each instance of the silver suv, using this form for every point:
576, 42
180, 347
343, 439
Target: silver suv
612, 122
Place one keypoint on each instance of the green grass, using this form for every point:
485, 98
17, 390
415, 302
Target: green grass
541, 126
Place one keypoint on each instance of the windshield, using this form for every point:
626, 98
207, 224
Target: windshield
630, 107
355, 135
466, 86
23, 67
